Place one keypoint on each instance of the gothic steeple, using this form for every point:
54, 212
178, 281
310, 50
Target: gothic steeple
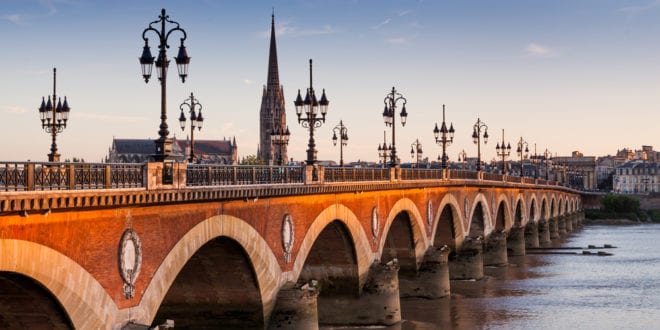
273, 74
272, 116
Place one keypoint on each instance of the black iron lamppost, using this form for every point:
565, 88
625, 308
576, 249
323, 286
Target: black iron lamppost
280, 138
163, 144
522, 153
343, 137
53, 118
384, 151
416, 151
389, 117
547, 155
503, 151
536, 163
196, 120
462, 156
312, 108
444, 136
476, 138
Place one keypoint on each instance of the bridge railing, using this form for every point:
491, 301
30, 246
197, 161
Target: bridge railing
515, 179
27, 176
355, 174
219, 175
421, 174
492, 177
528, 180
463, 175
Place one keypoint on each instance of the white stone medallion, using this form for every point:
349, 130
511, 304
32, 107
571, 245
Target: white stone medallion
287, 237
130, 261
429, 215
375, 224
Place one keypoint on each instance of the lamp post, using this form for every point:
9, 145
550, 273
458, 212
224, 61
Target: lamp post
163, 144
196, 120
416, 151
384, 151
462, 156
503, 151
522, 153
546, 157
53, 118
280, 137
389, 117
476, 138
343, 137
444, 136
312, 107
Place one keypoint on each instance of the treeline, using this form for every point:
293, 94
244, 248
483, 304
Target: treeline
614, 206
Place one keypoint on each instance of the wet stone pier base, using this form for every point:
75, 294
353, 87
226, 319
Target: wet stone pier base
467, 263
515, 241
495, 249
432, 278
295, 308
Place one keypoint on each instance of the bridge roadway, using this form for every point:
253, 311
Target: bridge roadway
109, 245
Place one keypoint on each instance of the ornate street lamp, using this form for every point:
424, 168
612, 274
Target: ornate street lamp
504, 151
416, 151
444, 136
196, 120
53, 118
313, 108
163, 144
280, 138
476, 138
384, 151
343, 137
462, 157
522, 153
547, 155
389, 117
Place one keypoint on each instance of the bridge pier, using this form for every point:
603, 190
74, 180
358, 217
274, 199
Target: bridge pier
296, 308
495, 249
432, 280
569, 223
515, 241
377, 304
562, 225
544, 232
554, 228
467, 262
532, 234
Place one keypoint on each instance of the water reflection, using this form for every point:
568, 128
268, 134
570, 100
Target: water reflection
556, 291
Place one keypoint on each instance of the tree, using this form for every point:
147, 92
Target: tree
252, 160
620, 203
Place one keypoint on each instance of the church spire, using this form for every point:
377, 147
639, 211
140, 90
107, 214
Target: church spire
273, 74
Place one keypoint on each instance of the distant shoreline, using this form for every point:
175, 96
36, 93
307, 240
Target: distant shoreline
612, 222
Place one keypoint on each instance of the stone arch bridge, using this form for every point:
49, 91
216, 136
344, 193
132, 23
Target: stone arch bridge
112, 246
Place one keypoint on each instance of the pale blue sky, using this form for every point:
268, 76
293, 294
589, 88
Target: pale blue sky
564, 74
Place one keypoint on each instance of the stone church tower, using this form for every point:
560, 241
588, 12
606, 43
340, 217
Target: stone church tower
272, 115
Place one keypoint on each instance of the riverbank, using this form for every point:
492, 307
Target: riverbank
611, 222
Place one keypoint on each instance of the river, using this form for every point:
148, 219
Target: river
621, 291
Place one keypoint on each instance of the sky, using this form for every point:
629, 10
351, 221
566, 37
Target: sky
563, 75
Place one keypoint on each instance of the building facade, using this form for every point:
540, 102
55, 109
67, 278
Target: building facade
272, 116
223, 151
637, 177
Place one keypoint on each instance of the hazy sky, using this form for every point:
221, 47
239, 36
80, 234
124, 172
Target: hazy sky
564, 74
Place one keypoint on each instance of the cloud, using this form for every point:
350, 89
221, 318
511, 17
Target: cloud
15, 18
404, 12
637, 9
537, 50
381, 24
397, 41
285, 29
16, 110
247, 82
50, 5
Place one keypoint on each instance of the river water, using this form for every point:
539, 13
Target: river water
621, 291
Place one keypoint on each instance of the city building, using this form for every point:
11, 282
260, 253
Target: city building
637, 177
578, 170
272, 116
205, 151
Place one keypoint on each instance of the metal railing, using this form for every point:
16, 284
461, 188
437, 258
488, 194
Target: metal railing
226, 175
421, 174
355, 174
463, 175
27, 176
492, 177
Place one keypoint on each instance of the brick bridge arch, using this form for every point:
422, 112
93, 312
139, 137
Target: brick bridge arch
264, 262
449, 203
420, 240
485, 211
86, 303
